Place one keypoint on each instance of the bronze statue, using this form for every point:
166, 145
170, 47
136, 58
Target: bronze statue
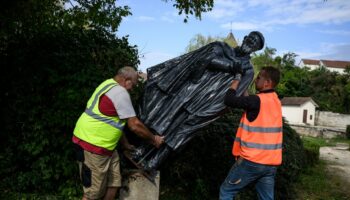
187, 93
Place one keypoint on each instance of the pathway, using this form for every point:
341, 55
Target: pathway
338, 159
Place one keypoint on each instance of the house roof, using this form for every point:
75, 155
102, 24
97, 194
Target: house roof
231, 40
336, 63
297, 101
310, 62
327, 63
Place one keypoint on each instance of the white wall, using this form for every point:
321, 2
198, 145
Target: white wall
316, 131
332, 119
339, 70
294, 114
312, 67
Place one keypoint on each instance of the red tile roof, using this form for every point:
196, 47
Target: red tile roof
297, 101
310, 62
336, 63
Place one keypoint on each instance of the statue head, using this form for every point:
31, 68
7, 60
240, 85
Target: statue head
252, 42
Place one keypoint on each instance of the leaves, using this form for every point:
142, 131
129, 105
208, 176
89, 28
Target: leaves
192, 7
52, 66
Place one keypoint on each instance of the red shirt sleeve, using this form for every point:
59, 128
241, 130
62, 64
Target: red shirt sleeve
106, 106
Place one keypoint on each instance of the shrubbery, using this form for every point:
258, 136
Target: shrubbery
50, 70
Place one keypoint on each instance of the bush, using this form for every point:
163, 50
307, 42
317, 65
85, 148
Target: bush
49, 78
347, 132
312, 150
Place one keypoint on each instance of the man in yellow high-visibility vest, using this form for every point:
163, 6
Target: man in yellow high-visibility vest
99, 129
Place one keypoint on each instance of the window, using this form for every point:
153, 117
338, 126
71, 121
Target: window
310, 117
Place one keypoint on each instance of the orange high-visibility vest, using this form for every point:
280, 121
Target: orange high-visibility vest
260, 141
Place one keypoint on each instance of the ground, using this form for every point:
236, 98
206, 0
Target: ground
338, 160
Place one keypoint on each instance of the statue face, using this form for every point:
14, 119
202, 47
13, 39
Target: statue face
251, 43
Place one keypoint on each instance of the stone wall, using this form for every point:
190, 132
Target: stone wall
330, 119
316, 131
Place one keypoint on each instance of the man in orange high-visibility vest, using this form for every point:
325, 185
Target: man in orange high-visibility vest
258, 142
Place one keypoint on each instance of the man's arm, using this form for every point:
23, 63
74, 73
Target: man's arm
136, 126
249, 103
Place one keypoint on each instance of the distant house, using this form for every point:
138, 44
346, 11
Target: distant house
231, 40
331, 65
299, 110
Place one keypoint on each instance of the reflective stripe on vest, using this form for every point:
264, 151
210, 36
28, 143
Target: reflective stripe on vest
96, 128
117, 125
259, 146
260, 141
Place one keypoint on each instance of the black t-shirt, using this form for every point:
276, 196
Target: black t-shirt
251, 103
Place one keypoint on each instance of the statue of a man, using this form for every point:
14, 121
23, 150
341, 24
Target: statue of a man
186, 93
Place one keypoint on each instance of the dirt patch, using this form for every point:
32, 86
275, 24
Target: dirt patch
338, 160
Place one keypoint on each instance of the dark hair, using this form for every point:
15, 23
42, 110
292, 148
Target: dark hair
273, 74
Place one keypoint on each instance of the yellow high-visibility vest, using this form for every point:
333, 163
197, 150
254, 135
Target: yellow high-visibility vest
96, 128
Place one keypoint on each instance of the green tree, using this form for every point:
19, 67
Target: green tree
195, 8
265, 58
54, 58
199, 41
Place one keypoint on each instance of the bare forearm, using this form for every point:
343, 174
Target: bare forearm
142, 131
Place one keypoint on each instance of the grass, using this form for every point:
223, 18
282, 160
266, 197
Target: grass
315, 182
325, 142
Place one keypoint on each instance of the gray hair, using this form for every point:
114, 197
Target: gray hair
127, 72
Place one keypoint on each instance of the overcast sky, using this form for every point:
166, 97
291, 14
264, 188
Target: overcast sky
310, 28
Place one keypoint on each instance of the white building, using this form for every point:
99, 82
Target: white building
299, 110
312, 64
331, 65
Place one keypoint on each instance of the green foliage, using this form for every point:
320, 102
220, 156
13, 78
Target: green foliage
199, 41
264, 59
312, 149
318, 182
52, 67
293, 162
330, 90
195, 8
347, 132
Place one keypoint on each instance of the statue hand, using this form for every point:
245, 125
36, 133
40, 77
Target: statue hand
236, 67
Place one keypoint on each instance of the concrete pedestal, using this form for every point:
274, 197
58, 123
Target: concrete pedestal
136, 186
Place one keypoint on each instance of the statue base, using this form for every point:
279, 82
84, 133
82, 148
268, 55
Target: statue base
136, 186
